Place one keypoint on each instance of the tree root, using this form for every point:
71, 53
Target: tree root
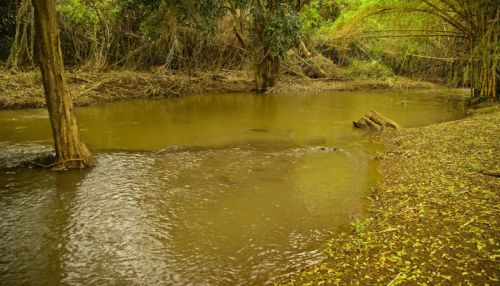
490, 173
56, 163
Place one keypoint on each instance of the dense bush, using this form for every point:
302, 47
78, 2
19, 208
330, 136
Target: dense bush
364, 69
421, 39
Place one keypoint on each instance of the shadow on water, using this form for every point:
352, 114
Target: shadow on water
34, 220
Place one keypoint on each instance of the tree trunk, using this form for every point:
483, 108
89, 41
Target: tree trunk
71, 152
266, 70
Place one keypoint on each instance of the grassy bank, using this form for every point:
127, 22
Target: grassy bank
433, 220
24, 89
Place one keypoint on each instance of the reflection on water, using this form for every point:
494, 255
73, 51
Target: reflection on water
220, 189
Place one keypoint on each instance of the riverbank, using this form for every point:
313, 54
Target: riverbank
24, 89
433, 220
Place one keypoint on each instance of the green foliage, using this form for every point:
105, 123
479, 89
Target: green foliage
368, 69
424, 39
421, 39
211, 11
319, 15
83, 12
204, 13
311, 18
277, 26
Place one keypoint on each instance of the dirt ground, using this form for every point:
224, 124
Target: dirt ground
24, 89
435, 217
292, 83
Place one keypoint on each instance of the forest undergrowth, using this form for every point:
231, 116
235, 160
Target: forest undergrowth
24, 89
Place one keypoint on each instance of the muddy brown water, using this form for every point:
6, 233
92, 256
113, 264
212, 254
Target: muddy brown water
201, 190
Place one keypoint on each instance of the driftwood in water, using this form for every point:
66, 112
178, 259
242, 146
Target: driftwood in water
375, 121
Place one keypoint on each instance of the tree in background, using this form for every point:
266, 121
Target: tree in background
275, 29
452, 41
265, 29
178, 34
71, 152
478, 23
459, 35
22, 45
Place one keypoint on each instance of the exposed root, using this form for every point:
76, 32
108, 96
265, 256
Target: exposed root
490, 173
56, 163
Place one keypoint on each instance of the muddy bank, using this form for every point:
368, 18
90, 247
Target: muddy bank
291, 83
434, 219
24, 89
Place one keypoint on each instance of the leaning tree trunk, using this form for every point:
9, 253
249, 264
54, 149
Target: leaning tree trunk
71, 152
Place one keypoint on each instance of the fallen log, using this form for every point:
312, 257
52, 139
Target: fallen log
375, 121
382, 120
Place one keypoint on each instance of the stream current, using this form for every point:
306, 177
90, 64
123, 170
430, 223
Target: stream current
200, 190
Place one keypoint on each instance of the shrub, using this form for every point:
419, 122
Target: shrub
367, 69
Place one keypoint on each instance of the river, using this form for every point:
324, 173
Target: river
216, 189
